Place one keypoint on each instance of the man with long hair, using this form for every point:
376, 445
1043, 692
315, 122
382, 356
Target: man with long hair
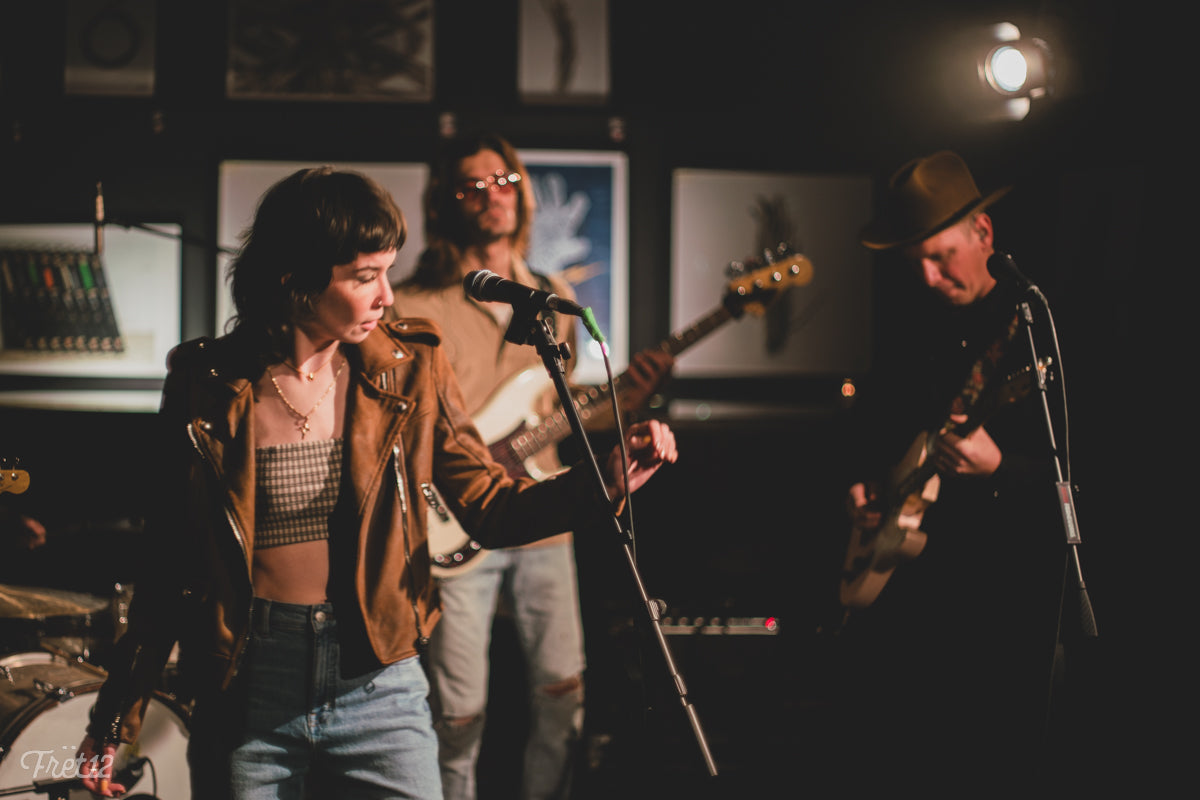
479, 208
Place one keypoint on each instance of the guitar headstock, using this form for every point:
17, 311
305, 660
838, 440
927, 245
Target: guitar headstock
12, 479
1019, 383
758, 283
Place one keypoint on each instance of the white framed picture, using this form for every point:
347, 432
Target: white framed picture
563, 51
134, 283
822, 327
86, 328
242, 184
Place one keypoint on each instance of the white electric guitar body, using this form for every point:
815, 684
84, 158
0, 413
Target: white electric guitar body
505, 417
509, 413
515, 434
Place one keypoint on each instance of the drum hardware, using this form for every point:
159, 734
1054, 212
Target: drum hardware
74, 625
45, 703
36, 602
64, 655
60, 693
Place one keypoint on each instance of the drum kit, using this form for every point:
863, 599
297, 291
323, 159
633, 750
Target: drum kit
52, 648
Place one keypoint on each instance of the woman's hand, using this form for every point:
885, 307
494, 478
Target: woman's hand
95, 768
650, 444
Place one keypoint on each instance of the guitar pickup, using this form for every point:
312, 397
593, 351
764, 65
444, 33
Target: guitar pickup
435, 502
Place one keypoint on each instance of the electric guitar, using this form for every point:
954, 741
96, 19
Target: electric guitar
872, 556
515, 434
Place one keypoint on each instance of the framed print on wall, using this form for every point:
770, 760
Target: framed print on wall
330, 50
78, 320
821, 328
109, 48
242, 184
580, 234
562, 51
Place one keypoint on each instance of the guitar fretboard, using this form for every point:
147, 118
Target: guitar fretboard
693, 333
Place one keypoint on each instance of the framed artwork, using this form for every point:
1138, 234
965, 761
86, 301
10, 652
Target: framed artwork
242, 184
562, 51
330, 50
721, 217
65, 314
109, 48
580, 234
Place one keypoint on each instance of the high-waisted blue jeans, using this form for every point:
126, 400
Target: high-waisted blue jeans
293, 715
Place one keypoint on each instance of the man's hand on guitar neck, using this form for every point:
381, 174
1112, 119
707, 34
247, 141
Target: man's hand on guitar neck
974, 454
648, 371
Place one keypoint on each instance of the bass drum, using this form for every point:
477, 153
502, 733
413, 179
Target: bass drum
45, 701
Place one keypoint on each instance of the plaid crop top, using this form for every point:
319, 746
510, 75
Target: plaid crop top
296, 488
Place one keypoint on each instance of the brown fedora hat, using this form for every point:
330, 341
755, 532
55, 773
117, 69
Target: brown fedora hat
925, 196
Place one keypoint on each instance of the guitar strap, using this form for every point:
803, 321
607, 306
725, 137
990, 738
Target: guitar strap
982, 370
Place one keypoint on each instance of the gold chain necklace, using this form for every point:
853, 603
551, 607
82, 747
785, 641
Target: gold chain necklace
312, 376
302, 423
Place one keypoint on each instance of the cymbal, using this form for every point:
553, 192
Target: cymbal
34, 602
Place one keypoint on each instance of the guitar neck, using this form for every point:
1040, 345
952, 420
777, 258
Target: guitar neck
592, 400
675, 344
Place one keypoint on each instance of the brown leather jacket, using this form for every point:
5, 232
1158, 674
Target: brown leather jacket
405, 429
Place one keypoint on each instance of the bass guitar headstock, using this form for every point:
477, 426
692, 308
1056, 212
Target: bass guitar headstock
758, 282
12, 479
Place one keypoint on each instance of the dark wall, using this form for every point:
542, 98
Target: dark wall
750, 514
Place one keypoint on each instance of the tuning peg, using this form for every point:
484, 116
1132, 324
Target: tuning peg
735, 269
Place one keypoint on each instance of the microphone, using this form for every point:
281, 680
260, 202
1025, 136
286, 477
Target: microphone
486, 286
1001, 265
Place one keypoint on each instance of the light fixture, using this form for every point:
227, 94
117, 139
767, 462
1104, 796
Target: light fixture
1017, 69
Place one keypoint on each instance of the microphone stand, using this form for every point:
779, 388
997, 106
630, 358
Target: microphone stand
100, 222
178, 237
1066, 496
526, 328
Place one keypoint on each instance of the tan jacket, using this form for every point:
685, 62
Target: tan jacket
405, 428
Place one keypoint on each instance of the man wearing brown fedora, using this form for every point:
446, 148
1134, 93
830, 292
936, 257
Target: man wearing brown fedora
951, 579
934, 214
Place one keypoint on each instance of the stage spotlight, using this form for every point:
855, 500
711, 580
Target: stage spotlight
1018, 69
